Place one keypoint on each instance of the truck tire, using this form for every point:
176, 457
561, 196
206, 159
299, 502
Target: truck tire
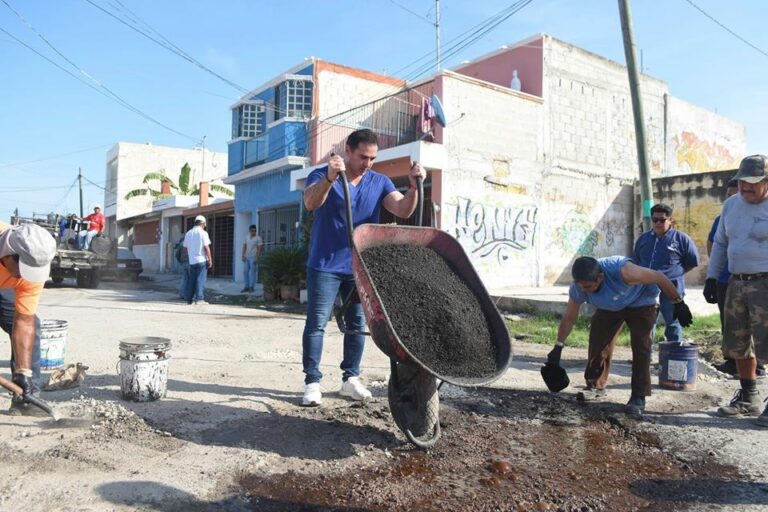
57, 279
101, 245
88, 278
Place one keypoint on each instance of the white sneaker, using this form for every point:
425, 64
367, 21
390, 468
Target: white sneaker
355, 390
312, 395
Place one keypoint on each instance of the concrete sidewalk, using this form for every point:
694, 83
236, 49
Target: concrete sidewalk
550, 299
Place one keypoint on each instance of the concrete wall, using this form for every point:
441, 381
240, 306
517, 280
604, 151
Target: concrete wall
699, 140
696, 200
489, 185
131, 162
527, 58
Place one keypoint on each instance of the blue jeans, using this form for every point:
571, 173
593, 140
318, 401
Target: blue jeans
184, 271
322, 288
196, 277
250, 272
673, 331
7, 311
84, 239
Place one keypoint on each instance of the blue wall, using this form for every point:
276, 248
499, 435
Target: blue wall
265, 191
236, 154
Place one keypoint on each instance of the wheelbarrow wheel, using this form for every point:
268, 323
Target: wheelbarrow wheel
415, 404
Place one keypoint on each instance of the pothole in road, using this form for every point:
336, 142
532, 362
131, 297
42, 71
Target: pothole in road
504, 450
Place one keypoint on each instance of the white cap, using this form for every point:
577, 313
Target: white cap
200, 218
36, 248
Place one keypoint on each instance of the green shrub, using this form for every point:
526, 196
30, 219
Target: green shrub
283, 266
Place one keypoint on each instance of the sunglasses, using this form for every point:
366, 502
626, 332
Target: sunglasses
659, 220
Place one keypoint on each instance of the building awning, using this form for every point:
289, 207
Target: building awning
221, 207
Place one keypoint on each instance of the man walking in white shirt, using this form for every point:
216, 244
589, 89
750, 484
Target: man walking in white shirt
251, 255
198, 246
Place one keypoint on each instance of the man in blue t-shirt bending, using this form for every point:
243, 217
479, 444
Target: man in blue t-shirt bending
329, 268
623, 293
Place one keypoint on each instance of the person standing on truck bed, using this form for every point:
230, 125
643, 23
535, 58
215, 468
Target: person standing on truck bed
96, 222
26, 252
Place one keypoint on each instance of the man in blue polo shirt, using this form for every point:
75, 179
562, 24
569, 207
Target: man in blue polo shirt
623, 293
329, 267
671, 252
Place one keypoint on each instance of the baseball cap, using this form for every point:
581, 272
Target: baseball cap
752, 169
199, 218
36, 248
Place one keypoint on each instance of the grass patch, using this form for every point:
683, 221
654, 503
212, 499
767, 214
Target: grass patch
542, 328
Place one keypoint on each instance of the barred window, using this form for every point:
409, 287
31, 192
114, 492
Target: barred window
294, 99
248, 120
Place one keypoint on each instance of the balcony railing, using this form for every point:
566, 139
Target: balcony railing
395, 119
285, 139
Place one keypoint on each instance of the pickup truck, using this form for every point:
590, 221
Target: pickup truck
84, 266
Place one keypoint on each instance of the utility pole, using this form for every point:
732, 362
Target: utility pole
203, 172
80, 181
646, 193
437, 34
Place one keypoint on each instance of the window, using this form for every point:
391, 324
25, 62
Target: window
247, 120
294, 99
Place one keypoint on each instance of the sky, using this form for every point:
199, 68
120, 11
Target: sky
51, 124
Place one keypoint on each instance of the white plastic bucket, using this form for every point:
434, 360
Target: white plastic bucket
143, 368
53, 341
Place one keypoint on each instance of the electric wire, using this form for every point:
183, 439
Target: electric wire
401, 6
721, 25
100, 85
18, 164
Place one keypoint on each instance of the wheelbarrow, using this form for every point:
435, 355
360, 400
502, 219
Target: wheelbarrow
413, 390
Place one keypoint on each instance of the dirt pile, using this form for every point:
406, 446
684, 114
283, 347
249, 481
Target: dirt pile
436, 315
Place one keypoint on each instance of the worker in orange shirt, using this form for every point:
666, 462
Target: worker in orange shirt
26, 252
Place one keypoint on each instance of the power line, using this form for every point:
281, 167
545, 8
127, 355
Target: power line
734, 34
111, 93
17, 164
401, 6
165, 43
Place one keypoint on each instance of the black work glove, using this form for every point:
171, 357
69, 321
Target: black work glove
682, 314
710, 290
553, 357
25, 383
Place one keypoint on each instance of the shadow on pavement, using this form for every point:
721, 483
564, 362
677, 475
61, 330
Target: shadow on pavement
702, 490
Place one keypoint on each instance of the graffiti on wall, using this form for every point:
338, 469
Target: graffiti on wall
494, 231
575, 235
696, 155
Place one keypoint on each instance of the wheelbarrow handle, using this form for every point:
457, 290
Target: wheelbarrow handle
348, 205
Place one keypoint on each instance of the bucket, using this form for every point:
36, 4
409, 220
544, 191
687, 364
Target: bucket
678, 365
53, 340
143, 368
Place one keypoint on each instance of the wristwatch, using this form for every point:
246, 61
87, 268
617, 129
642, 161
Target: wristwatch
678, 300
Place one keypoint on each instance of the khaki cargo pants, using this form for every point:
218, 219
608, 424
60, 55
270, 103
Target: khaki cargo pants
745, 333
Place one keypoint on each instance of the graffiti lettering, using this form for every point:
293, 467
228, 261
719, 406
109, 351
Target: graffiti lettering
494, 231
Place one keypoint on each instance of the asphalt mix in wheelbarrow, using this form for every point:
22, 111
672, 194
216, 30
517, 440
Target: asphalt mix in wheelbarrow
435, 314
501, 450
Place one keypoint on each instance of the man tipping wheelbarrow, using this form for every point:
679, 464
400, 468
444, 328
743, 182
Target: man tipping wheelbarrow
329, 267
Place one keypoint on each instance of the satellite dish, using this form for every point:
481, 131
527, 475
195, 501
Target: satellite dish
439, 112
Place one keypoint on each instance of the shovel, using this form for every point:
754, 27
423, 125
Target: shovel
554, 375
16, 390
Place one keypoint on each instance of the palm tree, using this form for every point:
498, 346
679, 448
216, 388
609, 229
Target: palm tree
181, 189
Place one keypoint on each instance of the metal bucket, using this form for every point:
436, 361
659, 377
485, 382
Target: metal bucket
678, 365
143, 368
53, 341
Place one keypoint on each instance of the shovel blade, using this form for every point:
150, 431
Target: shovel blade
555, 377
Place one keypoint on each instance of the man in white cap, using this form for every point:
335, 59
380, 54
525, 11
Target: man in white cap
26, 252
96, 223
198, 246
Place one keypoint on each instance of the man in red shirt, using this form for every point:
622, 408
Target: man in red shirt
96, 222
